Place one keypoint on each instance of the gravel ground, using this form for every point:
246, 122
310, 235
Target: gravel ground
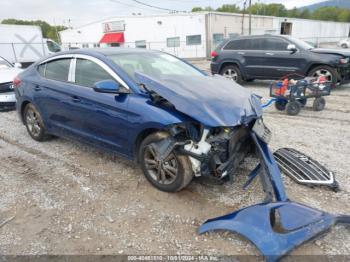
63, 197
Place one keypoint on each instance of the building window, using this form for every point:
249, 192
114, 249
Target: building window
173, 42
85, 45
140, 44
193, 40
218, 38
96, 44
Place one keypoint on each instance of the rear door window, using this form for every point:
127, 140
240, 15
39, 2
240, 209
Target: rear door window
241, 44
56, 70
87, 73
275, 44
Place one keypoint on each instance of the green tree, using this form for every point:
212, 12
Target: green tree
344, 15
197, 9
305, 14
258, 9
229, 9
328, 13
295, 12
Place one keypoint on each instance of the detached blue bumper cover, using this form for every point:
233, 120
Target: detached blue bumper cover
278, 227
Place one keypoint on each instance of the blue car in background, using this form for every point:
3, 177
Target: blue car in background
170, 117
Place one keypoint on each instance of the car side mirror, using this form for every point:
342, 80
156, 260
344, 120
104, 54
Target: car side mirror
108, 86
17, 65
292, 48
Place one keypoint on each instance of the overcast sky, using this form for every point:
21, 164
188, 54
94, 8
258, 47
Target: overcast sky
82, 12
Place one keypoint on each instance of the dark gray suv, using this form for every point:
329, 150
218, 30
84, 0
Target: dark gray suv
272, 57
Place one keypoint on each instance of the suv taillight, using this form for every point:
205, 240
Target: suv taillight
16, 82
214, 54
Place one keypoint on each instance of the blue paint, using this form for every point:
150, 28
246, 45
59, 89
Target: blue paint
297, 223
272, 100
213, 101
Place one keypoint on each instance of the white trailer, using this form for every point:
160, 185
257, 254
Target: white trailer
24, 44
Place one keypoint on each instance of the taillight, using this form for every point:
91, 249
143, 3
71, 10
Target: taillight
214, 54
16, 82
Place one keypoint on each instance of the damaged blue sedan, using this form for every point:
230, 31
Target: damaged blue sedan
175, 121
169, 116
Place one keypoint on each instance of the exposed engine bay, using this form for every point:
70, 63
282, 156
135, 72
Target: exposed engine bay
213, 152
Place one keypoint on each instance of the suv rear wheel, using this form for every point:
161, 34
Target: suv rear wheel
232, 72
326, 71
171, 174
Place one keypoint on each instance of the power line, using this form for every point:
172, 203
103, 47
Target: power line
157, 7
130, 5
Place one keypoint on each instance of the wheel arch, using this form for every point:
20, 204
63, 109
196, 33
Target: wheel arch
22, 107
314, 65
235, 63
140, 137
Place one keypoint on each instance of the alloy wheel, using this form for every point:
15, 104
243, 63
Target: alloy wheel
231, 74
33, 122
162, 171
324, 72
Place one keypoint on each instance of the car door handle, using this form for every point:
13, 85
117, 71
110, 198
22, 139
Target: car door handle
241, 53
269, 53
76, 99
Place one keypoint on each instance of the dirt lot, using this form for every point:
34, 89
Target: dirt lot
68, 198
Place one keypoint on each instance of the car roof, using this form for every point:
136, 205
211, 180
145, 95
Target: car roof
258, 36
108, 51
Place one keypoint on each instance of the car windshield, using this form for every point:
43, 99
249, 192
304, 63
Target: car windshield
156, 65
4, 64
302, 44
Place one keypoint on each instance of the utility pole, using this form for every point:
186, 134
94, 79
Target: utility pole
244, 4
250, 17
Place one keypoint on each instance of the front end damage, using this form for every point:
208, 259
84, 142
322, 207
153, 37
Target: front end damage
213, 152
216, 142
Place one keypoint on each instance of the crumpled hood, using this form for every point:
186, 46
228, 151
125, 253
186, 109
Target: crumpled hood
211, 100
8, 74
331, 51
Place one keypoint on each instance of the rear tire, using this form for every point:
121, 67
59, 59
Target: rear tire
319, 104
323, 70
344, 46
180, 166
233, 73
34, 123
293, 108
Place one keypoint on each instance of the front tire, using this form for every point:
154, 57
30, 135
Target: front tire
233, 73
293, 108
34, 123
344, 46
326, 71
170, 175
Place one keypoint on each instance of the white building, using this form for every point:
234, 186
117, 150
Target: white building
194, 34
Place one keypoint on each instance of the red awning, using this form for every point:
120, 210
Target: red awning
112, 38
